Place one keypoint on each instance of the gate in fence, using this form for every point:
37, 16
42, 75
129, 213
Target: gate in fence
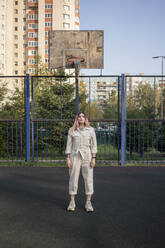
126, 112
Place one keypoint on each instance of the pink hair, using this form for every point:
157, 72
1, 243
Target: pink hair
76, 123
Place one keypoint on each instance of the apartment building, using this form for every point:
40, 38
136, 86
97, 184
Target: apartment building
104, 90
24, 28
133, 82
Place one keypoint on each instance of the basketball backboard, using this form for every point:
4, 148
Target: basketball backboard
67, 44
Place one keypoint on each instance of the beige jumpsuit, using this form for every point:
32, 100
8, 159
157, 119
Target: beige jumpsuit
81, 143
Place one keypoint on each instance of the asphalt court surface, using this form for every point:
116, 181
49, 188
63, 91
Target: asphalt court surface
129, 208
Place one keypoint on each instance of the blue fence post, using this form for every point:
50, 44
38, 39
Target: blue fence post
118, 123
32, 119
27, 130
89, 98
123, 121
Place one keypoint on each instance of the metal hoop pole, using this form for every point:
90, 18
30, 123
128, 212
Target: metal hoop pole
77, 70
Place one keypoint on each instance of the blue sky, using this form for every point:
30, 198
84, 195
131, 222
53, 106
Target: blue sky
134, 31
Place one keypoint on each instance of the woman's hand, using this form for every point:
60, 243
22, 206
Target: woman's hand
93, 161
69, 163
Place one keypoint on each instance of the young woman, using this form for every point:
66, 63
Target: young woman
81, 152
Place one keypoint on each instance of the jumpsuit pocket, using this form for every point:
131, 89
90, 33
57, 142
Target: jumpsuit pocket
88, 155
87, 159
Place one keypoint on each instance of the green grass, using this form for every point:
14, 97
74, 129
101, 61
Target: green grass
104, 153
63, 164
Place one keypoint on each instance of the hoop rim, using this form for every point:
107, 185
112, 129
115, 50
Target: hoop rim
71, 60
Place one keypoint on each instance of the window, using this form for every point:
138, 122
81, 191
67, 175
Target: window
31, 70
46, 33
24, 11
32, 61
2, 56
2, 46
77, 11
65, 16
48, 15
15, 37
3, 17
24, 45
33, 25
24, 28
2, 36
46, 42
48, 24
32, 52
24, 37
16, 55
46, 51
16, 11
48, 6
66, 25
3, 26
16, 28
66, 7
33, 43
16, 19
46, 60
16, 2
77, 2
33, 35
32, 1
16, 72
16, 63
3, 7
24, 19
76, 19
33, 17
16, 46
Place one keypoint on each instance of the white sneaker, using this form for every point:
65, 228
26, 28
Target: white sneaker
88, 206
71, 206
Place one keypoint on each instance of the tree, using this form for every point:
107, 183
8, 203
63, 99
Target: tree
3, 91
51, 94
82, 96
111, 106
140, 105
96, 111
144, 100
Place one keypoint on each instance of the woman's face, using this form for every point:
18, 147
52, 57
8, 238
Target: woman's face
81, 118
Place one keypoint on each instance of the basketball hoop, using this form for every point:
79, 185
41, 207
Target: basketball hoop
74, 61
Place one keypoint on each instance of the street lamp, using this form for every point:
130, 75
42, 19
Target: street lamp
162, 58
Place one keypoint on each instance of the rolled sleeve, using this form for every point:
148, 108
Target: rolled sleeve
93, 141
69, 143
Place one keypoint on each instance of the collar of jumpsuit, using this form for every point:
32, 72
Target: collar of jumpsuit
84, 128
